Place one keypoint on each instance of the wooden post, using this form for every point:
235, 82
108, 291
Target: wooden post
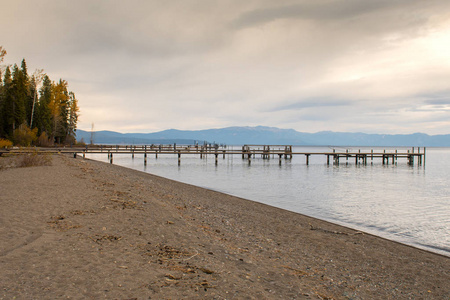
424, 155
307, 159
328, 159
217, 155
84, 153
110, 158
145, 158
279, 158
179, 158
74, 155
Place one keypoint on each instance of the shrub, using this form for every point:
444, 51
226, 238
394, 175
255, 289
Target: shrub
43, 140
33, 160
80, 143
24, 136
70, 140
5, 143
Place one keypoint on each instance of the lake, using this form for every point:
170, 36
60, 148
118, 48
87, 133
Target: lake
408, 204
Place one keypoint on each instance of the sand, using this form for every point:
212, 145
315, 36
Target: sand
81, 229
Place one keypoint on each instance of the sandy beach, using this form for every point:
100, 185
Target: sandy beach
81, 229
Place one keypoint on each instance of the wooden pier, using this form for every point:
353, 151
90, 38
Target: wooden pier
247, 152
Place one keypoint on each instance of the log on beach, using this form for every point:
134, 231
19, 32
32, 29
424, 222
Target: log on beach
86, 229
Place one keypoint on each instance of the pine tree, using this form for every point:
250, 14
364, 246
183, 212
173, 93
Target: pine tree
20, 91
27, 89
7, 104
73, 118
43, 113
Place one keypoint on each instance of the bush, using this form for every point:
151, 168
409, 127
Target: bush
24, 136
70, 140
5, 143
43, 140
80, 143
33, 160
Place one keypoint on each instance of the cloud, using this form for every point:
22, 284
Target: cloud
152, 65
309, 10
311, 103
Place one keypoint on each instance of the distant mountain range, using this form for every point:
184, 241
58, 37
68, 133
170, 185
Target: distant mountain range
261, 135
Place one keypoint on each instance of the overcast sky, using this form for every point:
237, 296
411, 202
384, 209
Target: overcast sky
374, 66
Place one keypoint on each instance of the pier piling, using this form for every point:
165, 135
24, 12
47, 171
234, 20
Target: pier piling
254, 151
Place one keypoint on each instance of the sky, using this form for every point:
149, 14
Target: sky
311, 65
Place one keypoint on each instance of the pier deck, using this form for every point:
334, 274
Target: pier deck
247, 152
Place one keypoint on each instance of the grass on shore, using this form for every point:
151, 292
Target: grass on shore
34, 160
25, 161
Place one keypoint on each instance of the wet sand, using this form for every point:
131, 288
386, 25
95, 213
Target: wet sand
82, 229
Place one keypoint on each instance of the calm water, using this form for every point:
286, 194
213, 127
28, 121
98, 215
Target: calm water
409, 204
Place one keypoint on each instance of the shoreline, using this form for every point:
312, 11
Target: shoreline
84, 228
367, 230
425, 248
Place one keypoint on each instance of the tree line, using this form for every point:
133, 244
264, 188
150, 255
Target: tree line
35, 109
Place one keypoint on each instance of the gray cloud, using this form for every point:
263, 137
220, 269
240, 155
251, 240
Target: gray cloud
191, 64
310, 10
310, 103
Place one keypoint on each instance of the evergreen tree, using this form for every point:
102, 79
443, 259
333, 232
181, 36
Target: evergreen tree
20, 91
43, 113
73, 118
26, 86
7, 104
